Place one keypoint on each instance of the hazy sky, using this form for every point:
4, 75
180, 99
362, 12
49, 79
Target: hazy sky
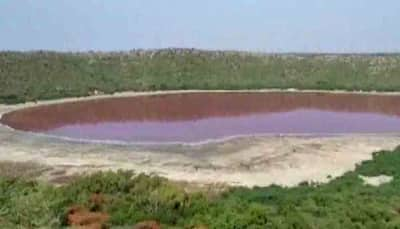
258, 25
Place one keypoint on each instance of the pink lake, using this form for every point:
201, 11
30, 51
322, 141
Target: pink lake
199, 117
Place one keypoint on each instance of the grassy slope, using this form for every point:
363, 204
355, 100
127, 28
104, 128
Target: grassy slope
343, 203
45, 75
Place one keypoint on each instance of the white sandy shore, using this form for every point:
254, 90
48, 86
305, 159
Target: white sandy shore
248, 161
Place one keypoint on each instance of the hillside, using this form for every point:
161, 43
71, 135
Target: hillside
28, 76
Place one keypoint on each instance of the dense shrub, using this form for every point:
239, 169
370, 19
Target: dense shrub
27, 76
345, 202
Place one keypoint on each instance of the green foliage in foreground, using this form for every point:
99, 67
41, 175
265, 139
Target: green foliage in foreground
27, 76
345, 202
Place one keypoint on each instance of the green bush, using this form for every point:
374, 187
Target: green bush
345, 202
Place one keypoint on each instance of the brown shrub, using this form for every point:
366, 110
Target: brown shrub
81, 217
151, 224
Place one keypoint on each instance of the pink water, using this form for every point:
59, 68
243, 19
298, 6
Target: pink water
198, 117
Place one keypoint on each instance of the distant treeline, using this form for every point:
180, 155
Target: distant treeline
28, 76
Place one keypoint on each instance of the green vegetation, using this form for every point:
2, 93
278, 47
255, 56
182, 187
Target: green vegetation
124, 199
28, 76
345, 202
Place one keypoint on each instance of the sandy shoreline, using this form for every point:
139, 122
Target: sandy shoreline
248, 161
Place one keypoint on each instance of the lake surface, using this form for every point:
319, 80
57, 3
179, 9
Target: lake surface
198, 117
